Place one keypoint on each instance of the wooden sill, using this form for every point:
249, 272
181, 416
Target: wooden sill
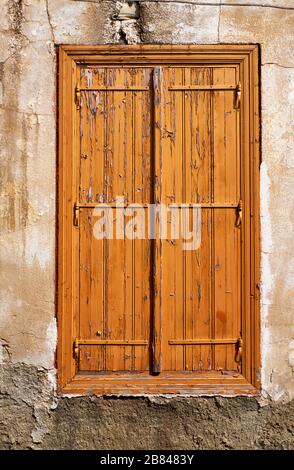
186, 384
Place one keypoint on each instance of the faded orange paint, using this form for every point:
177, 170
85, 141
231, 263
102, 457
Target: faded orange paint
167, 134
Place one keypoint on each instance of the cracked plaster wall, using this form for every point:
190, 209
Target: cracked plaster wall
30, 413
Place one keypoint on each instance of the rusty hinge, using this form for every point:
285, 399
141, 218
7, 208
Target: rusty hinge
77, 97
238, 95
239, 214
76, 213
238, 356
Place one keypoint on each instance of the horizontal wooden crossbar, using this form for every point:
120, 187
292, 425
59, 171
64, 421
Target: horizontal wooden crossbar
106, 342
202, 87
90, 205
113, 88
171, 88
99, 205
204, 341
93, 205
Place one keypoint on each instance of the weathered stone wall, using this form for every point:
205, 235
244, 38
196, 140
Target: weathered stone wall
31, 415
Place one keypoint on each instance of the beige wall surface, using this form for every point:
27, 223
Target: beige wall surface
29, 31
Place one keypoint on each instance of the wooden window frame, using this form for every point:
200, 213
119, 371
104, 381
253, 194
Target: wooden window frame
246, 56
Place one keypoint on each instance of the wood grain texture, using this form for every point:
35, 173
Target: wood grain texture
163, 128
200, 163
115, 162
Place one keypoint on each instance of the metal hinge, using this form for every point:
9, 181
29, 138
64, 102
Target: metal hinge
76, 213
238, 95
239, 214
77, 97
238, 357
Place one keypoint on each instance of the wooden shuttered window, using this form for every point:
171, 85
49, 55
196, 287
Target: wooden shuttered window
172, 127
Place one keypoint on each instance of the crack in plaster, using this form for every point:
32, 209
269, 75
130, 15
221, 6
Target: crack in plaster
217, 4
278, 65
11, 56
49, 20
219, 21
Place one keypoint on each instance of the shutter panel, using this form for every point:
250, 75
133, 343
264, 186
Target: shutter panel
114, 273
162, 125
200, 295
157, 244
168, 135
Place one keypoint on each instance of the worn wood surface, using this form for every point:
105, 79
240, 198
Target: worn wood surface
167, 134
115, 145
196, 294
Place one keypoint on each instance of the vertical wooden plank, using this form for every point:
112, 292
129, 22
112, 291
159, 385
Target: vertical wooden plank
141, 194
220, 219
108, 165
187, 197
98, 110
233, 239
179, 255
227, 241
68, 249
87, 113
129, 353
172, 290
137, 198
87, 355
168, 167
255, 224
195, 289
63, 317
168, 246
201, 165
116, 291
75, 290
157, 246
97, 279
146, 198
245, 229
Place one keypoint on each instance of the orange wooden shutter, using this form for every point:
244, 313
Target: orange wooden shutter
141, 313
195, 317
200, 163
115, 162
